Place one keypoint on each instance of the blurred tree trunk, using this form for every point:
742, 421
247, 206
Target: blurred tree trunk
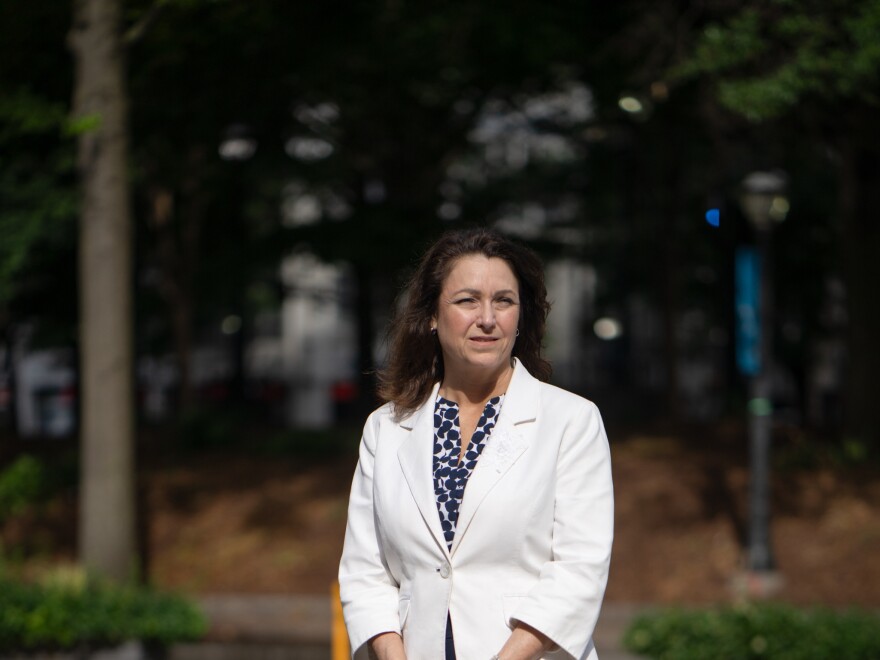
107, 502
859, 196
175, 287
178, 230
365, 338
671, 275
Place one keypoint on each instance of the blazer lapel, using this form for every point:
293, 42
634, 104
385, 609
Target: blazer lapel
508, 441
416, 454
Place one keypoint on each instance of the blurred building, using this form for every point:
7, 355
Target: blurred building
571, 287
318, 344
44, 393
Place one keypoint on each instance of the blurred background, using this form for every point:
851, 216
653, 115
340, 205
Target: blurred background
700, 178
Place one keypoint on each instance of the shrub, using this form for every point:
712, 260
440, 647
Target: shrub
759, 631
201, 428
330, 443
74, 612
21, 484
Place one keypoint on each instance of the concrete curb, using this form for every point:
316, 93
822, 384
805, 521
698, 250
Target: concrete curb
298, 627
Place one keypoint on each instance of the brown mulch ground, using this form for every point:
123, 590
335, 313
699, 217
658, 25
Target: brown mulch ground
227, 521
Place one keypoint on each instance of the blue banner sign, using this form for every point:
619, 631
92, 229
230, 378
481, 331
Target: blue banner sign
748, 311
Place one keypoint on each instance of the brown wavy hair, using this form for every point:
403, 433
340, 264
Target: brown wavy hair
415, 360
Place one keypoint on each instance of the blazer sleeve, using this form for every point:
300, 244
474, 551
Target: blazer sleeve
368, 592
565, 602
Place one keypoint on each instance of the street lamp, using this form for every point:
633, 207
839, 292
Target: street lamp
764, 203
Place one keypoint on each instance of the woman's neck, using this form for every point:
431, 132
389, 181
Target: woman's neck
474, 388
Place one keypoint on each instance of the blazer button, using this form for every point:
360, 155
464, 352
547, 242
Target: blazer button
444, 571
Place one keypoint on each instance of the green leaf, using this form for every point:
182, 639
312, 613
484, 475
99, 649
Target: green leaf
76, 126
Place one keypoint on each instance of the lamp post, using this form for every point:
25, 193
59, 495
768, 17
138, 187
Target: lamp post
763, 202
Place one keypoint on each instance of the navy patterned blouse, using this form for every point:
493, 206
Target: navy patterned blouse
451, 474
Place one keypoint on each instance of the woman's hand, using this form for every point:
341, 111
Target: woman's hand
525, 643
387, 646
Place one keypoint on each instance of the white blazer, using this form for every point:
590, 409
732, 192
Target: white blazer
532, 544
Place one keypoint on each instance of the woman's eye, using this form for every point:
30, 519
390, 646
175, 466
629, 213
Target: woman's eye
465, 301
505, 302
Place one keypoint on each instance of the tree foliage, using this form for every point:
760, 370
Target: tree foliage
771, 56
37, 194
406, 84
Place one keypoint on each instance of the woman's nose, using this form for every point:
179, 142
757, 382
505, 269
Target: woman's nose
487, 315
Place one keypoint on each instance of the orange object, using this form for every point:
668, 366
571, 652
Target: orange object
339, 649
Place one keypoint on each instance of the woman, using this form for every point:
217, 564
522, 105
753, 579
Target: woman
481, 512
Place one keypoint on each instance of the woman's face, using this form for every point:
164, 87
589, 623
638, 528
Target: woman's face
477, 314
